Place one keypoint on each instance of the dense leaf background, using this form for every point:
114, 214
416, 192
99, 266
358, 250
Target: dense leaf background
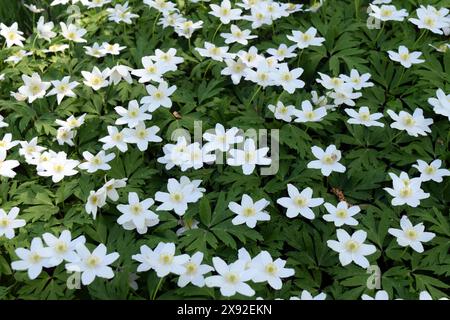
368, 153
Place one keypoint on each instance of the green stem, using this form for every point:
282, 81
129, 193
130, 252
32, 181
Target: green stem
420, 37
207, 68
254, 95
380, 32
154, 23
357, 9
157, 288
299, 57
215, 32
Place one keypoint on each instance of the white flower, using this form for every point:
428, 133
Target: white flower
45, 30
282, 52
141, 135
187, 224
222, 139
288, 79
342, 214
96, 199
406, 190
72, 33
56, 48
415, 124
352, 248
328, 160
113, 49
7, 143
215, 53
249, 157
2, 123
249, 212
431, 171
12, 35
72, 122
59, 167
114, 139
33, 259
33, 8
270, 271
62, 248
168, 58
186, 28
306, 39
299, 202
178, 196
97, 162
163, 260
152, 71
119, 72
133, 115
30, 150
65, 135
195, 271
136, 214
8, 222
308, 114
429, 19
174, 154
250, 58
380, 295
441, 104
95, 51
406, 58
282, 112
95, 264
345, 95
238, 35
232, 278
224, 12
110, 188
158, 96
363, 116
329, 83
357, 81
63, 88
410, 235
306, 295
33, 88
387, 13
6, 166
235, 69
121, 13
425, 295
96, 79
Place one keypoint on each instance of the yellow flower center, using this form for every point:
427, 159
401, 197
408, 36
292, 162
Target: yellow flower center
271, 268
411, 234
405, 192
430, 170
4, 222
61, 247
35, 258
232, 278
58, 168
191, 268
352, 245
166, 258
136, 209
249, 156
249, 212
93, 261
409, 121
329, 159
341, 213
364, 116
177, 197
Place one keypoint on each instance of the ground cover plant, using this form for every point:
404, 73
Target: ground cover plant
249, 149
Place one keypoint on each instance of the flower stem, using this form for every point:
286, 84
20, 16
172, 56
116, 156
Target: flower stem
215, 32
157, 288
254, 95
